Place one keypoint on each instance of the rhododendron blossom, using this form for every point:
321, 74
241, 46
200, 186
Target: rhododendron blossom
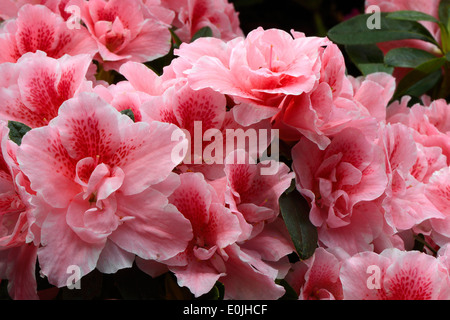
93, 160
38, 28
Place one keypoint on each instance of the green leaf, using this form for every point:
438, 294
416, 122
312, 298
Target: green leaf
17, 130
421, 79
290, 293
295, 212
409, 15
129, 113
444, 11
355, 31
176, 40
203, 32
368, 58
407, 57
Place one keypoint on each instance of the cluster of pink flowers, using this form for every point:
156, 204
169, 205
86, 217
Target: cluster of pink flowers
89, 186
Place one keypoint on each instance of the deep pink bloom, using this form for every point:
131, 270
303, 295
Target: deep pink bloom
38, 28
33, 89
101, 175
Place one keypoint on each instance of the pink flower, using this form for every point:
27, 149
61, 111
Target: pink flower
407, 161
104, 178
124, 31
350, 170
192, 15
336, 103
258, 71
251, 194
33, 89
438, 192
38, 28
214, 228
317, 278
394, 275
17, 252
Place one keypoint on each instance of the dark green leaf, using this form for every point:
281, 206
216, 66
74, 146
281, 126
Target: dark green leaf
176, 40
356, 31
17, 130
203, 32
420, 80
295, 211
411, 16
407, 57
129, 113
444, 11
368, 58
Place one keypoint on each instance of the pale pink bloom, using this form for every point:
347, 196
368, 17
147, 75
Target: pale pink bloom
350, 170
214, 227
425, 6
394, 275
101, 174
258, 72
251, 195
336, 103
124, 31
430, 122
438, 192
17, 252
33, 89
317, 278
192, 15
405, 203
38, 28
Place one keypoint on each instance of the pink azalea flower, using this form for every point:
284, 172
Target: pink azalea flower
317, 278
438, 192
394, 275
17, 252
258, 71
336, 103
103, 177
350, 170
33, 89
214, 228
406, 204
124, 31
38, 28
251, 195
192, 15
10, 8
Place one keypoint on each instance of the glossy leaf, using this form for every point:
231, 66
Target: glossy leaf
355, 31
368, 58
409, 15
295, 212
407, 57
17, 130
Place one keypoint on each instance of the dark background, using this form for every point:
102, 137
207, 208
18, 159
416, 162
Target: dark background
300, 15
